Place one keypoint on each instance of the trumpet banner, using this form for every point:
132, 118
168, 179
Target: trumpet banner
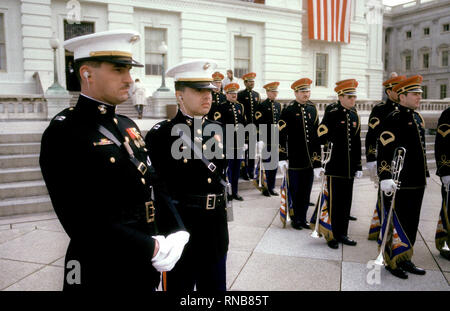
259, 170
325, 228
375, 224
442, 230
398, 247
286, 202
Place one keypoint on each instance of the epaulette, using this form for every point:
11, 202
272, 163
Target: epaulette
63, 115
159, 125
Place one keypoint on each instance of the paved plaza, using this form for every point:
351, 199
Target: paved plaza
263, 256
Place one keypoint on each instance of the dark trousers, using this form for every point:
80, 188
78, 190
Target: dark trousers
233, 171
190, 272
340, 195
300, 185
408, 203
271, 175
248, 166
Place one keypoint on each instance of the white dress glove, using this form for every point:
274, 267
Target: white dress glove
371, 166
388, 185
170, 250
318, 171
245, 147
259, 147
445, 180
283, 166
358, 174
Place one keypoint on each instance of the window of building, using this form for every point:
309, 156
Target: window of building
2, 43
443, 91
72, 30
446, 27
153, 59
426, 31
425, 91
444, 58
408, 34
408, 62
321, 69
242, 52
426, 61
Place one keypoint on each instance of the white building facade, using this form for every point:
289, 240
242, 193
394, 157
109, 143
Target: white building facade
417, 41
269, 38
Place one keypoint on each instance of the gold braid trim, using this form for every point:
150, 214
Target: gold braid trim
444, 161
372, 150
384, 167
315, 157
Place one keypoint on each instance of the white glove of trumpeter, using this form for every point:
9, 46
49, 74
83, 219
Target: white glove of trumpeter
371, 166
283, 166
445, 180
170, 250
319, 171
259, 147
388, 185
358, 174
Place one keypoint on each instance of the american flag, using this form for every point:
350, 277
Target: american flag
329, 20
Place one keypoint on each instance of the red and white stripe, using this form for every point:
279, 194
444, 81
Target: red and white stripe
329, 20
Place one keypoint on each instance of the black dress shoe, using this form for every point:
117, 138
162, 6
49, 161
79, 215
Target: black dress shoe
347, 241
296, 225
333, 244
237, 197
398, 272
266, 193
305, 225
445, 254
272, 192
352, 218
408, 266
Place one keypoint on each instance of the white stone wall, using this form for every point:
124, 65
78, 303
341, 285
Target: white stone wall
281, 50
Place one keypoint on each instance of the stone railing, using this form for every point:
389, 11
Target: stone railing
23, 107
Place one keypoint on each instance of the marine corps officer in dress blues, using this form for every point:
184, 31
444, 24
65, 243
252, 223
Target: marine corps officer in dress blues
218, 96
299, 145
194, 180
341, 126
99, 177
442, 155
405, 128
250, 99
232, 112
268, 113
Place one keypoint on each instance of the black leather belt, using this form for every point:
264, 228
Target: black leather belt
207, 202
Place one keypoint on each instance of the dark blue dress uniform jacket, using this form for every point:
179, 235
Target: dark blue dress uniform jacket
442, 144
342, 127
404, 128
99, 197
249, 99
186, 177
298, 136
376, 119
268, 113
217, 99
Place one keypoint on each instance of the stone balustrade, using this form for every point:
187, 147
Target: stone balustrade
23, 107
34, 106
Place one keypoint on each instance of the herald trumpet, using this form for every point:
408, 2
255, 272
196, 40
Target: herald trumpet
396, 168
326, 156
